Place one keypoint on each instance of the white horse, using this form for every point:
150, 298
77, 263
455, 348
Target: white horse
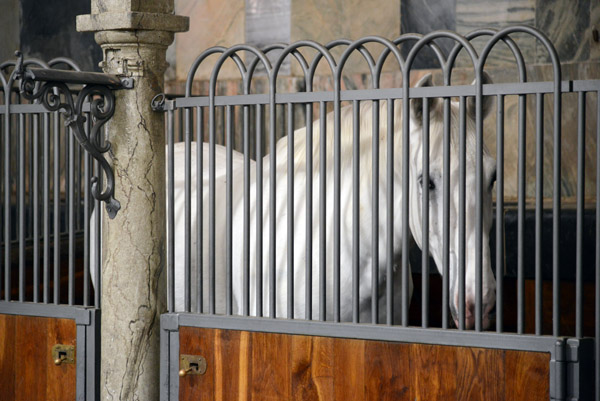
365, 208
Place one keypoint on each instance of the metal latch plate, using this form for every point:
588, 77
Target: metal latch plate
192, 365
63, 354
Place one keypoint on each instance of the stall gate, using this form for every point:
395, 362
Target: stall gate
49, 312
305, 218
337, 315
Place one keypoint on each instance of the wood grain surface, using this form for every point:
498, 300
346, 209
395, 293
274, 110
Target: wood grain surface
261, 366
27, 370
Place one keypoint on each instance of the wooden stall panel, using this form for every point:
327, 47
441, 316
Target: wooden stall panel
260, 366
27, 370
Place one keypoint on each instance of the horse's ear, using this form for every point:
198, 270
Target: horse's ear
487, 103
416, 105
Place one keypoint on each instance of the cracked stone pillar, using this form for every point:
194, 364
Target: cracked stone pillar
134, 36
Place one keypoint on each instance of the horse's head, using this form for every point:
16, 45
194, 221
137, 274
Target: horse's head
436, 204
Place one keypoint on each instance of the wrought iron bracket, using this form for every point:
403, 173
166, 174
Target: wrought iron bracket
49, 86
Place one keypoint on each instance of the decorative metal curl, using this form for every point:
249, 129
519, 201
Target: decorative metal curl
102, 108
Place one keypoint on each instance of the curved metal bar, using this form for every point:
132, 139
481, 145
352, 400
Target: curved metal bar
556, 201
200, 59
299, 57
406, 37
335, 43
489, 32
322, 52
232, 52
359, 44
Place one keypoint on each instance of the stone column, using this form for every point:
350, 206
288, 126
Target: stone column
134, 36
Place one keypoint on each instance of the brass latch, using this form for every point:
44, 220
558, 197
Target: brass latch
63, 354
192, 365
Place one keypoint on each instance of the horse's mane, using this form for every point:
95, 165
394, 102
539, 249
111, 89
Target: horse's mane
436, 127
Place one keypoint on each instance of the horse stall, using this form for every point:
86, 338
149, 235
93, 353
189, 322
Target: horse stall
321, 245
411, 236
49, 311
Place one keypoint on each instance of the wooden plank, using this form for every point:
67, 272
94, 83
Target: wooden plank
7, 356
311, 361
434, 373
61, 382
480, 374
348, 369
33, 352
264, 366
527, 376
228, 364
194, 341
270, 375
387, 371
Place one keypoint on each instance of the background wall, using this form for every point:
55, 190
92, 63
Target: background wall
45, 30
568, 23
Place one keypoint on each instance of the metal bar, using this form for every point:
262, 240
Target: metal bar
21, 207
7, 194
309, 210
187, 210
375, 214
556, 201
539, 209
247, 180
290, 211
71, 213
479, 212
272, 209
521, 216
46, 201
322, 210
171, 212
355, 211
74, 77
500, 214
446, 215
337, 144
465, 338
78, 171
505, 89
229, 220
425, 219
199, 208
29, 175
462, 211
2, 191
98, 238
87, 171
56, 177
580, 210
34, 193
390, 228
211, 206
259, 211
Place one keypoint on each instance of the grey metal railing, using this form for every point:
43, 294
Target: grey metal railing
48, 185
224, 270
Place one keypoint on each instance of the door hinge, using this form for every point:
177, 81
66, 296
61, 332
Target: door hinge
571, 370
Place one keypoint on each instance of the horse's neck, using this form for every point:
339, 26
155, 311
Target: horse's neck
347, 138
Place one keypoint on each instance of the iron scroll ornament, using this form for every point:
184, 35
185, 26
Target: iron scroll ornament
102, 108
